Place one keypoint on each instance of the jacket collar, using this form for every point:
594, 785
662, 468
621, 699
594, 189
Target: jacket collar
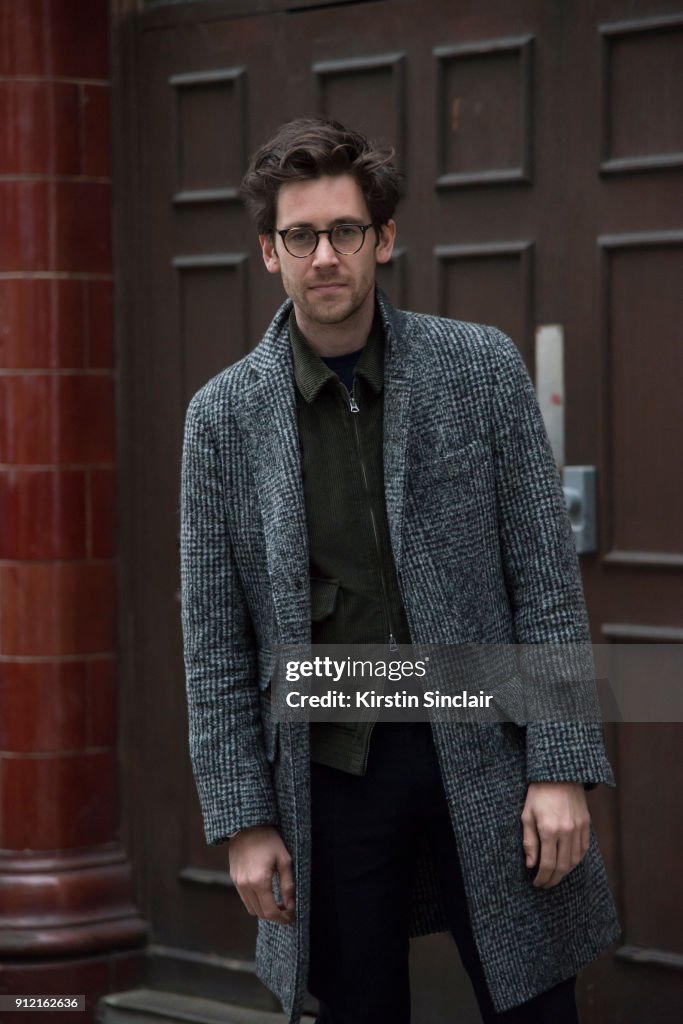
312, 374
271, 355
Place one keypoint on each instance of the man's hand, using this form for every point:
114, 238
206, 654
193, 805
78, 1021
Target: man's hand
254, 855
556, 829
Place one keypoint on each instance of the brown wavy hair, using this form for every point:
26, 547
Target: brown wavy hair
310, 147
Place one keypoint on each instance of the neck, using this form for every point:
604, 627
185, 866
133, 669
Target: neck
339, 338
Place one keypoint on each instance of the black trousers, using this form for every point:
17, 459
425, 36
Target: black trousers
364, 832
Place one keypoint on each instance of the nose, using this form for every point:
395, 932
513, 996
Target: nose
325, 255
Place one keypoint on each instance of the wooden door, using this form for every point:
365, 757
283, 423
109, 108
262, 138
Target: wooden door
542, 149
623, 310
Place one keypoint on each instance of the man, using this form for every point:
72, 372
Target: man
372, 476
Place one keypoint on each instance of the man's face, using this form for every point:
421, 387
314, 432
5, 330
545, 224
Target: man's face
326, 288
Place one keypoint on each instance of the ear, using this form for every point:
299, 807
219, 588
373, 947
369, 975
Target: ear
386, 238
270, 256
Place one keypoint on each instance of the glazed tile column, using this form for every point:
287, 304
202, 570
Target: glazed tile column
65, 890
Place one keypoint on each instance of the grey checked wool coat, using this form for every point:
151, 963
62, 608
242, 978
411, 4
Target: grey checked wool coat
484, 554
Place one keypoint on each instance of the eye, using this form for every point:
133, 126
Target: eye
299, 236
345, 232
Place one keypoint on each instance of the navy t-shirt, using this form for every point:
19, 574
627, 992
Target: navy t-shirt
343, 366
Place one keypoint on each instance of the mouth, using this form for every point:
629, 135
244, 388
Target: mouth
328, 287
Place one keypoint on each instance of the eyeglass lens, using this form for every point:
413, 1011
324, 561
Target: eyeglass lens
345, 239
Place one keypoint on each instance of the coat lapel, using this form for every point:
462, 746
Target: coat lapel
268, 422
398, 382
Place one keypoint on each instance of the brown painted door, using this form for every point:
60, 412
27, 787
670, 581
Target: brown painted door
623, 311
542, 145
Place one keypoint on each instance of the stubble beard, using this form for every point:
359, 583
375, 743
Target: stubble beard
319, 312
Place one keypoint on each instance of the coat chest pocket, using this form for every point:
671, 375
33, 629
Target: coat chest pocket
457, 475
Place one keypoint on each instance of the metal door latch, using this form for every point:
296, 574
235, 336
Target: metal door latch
580, 494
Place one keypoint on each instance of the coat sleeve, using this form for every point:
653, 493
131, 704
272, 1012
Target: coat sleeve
230, 767
541, 567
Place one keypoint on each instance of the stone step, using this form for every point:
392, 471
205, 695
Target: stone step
153, 1006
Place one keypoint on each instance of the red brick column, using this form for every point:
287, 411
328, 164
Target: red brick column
64, 882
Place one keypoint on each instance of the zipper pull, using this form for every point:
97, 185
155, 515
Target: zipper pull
393, 646
353, 404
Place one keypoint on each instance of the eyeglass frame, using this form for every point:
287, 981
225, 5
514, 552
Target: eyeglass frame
326, 231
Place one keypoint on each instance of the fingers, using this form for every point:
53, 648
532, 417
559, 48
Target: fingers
530, 841
562, 848
254, 856
248, 899
559, 860
258, 898
556, 830
268, 909
286, 873
547, 862
577, 848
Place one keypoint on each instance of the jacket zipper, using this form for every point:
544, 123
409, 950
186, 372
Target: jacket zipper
353, 405
393, 646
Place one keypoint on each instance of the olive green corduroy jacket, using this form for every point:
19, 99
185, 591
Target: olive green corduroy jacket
355, 597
